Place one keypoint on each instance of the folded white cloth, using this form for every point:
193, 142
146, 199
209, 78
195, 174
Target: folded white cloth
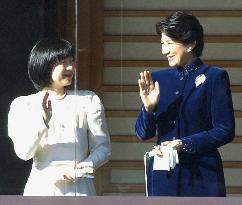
82, 169
168, 160
85, 169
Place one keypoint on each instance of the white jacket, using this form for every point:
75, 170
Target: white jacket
77, 133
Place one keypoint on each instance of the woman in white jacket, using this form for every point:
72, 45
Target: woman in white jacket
63, 131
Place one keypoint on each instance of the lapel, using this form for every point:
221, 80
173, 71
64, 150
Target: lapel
190, 85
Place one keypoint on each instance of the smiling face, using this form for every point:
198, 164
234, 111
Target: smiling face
177, 53
63, 73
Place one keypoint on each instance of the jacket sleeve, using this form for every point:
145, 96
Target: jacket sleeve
145, 127
26, 128
98, 136
223, 123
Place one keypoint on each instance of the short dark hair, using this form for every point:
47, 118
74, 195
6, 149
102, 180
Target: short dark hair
183, 27
43, 56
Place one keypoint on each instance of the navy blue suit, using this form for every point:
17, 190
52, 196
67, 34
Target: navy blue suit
202, 117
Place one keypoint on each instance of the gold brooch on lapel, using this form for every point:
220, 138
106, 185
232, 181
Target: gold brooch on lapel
200, 79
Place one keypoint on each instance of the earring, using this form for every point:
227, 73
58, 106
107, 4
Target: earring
189, 49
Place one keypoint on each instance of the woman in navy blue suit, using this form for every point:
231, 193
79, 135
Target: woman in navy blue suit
188, 106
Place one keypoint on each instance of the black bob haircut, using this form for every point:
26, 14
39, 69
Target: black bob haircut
43, 56
183, 27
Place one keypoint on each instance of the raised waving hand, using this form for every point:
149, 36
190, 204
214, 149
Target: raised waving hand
46, 107
149, 91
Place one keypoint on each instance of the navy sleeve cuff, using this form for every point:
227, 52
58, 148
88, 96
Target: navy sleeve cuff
188, 145
148, 114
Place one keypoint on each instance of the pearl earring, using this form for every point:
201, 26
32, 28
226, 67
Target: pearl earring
189, 49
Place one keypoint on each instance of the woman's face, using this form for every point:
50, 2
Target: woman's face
63, 73
177, 54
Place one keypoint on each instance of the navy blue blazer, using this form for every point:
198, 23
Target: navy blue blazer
196, 107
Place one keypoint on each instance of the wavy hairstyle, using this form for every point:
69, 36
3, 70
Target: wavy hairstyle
183, 27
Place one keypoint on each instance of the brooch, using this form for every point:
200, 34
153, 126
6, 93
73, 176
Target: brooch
200, 79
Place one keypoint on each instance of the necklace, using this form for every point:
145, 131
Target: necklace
60, 97
54, 96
